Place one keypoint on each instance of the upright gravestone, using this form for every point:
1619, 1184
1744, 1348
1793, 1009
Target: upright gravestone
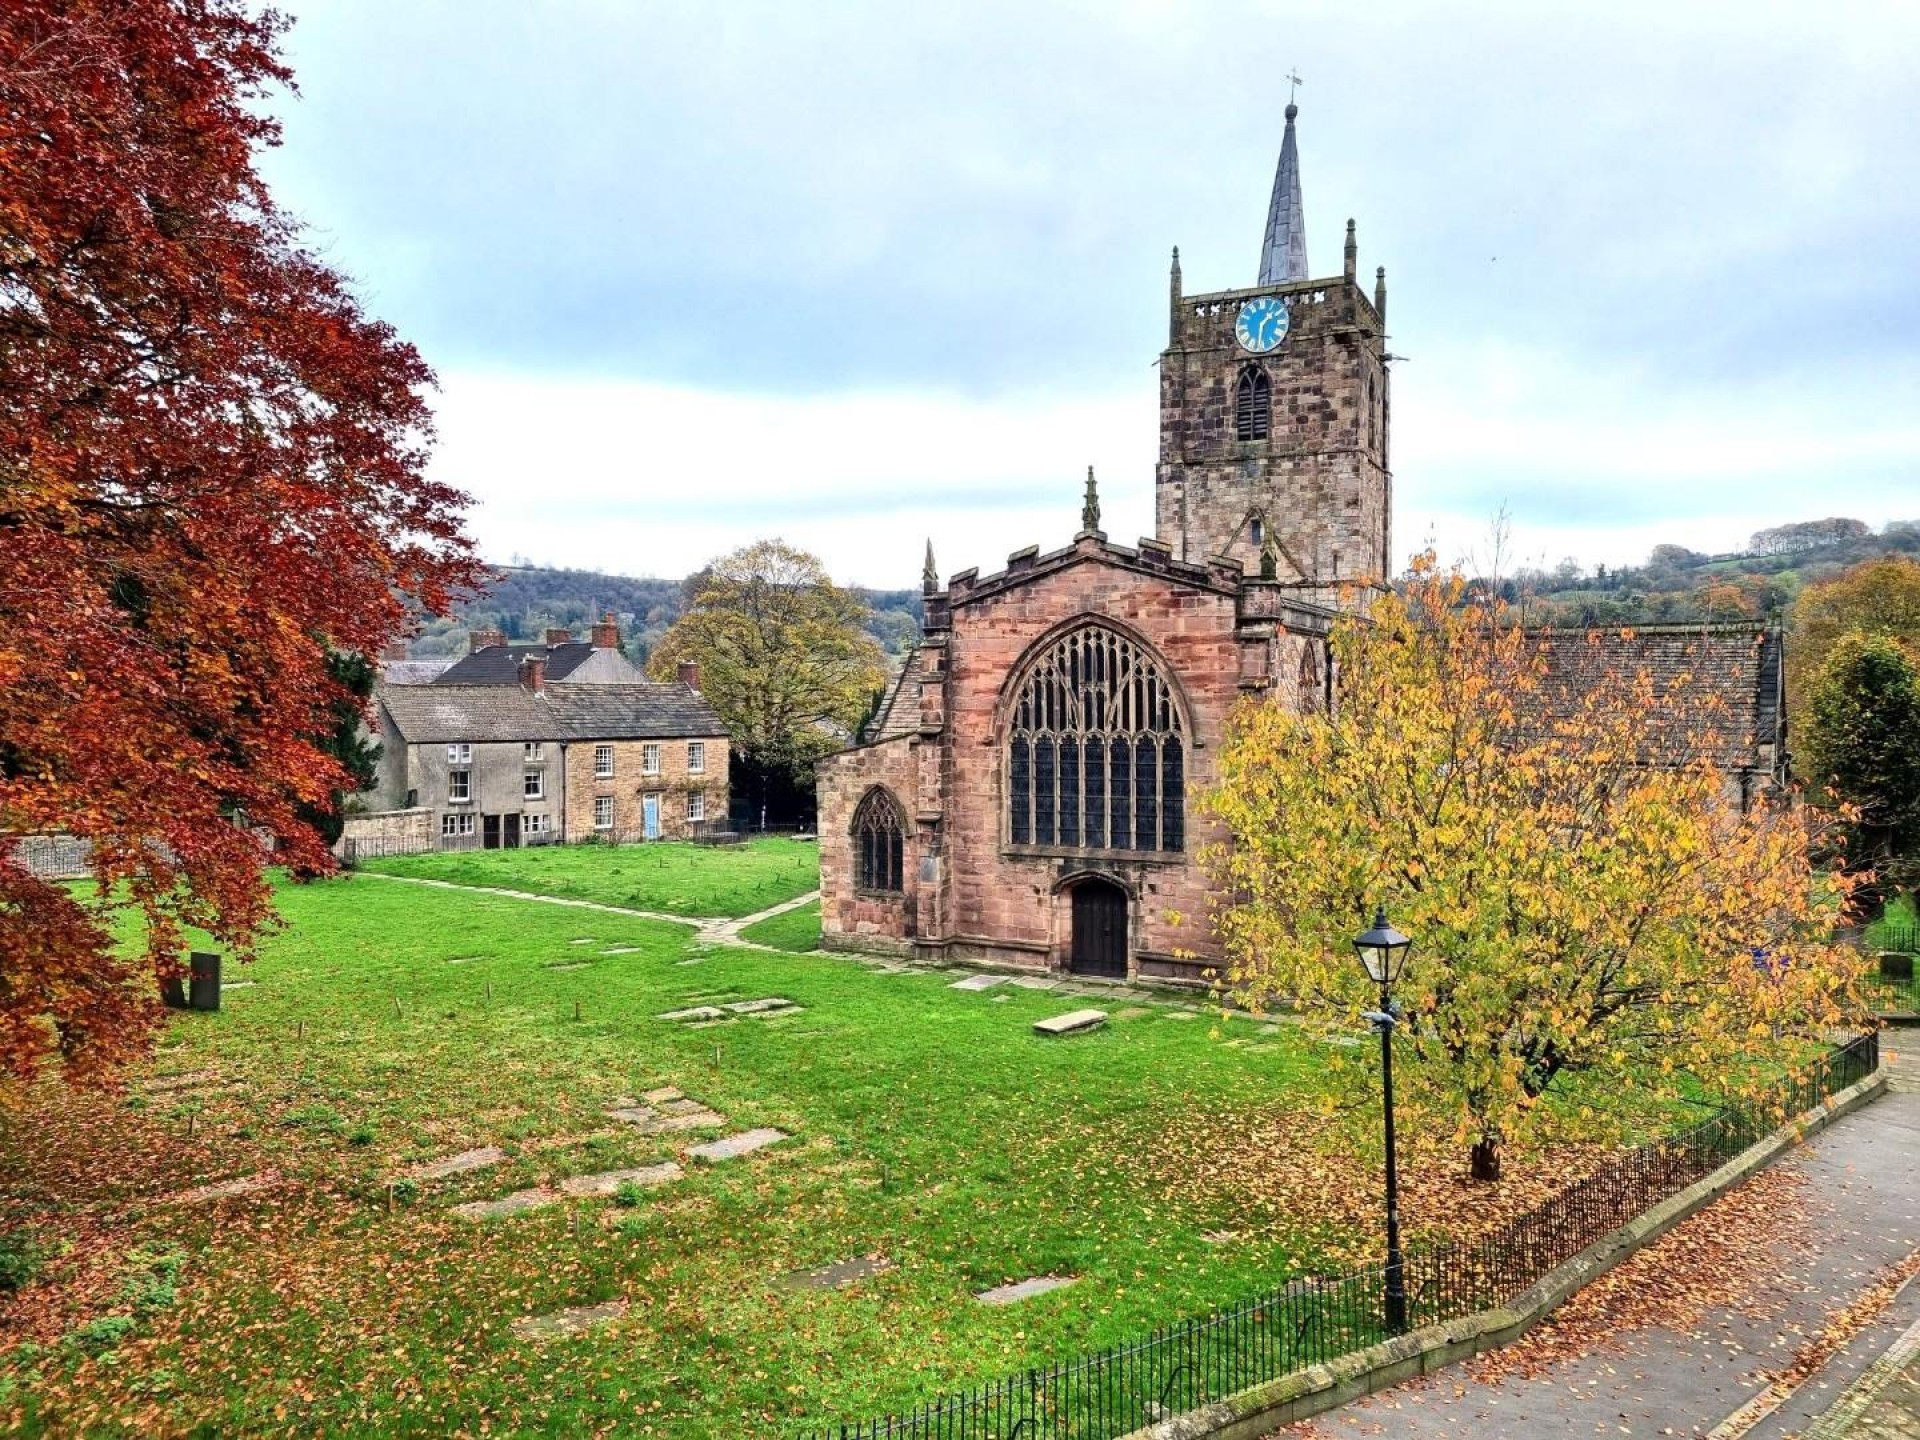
203, 981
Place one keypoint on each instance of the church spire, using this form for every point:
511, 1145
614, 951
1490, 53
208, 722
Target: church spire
1283, 256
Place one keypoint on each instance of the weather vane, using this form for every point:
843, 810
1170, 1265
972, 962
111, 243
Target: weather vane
1294, 82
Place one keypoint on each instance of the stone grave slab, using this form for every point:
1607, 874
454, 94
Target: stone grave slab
661, 1095
478, 1159
1133, 1012
696, 960
761, 1007
517, 1203
608, 1181
695, 1012
186, 1080
573, 1321
624, 950
648, 1121
1071, 1023
225, 1189
978, 982
576, 965
1020, 1290
730, 1146
464, 959
1034, 982
1182, 1015
837, 1276
585, 940
227, 985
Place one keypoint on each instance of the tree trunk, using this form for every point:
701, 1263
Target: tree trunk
1486, 1156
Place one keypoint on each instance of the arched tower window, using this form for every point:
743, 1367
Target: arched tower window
878, 843
1252, 405
1309, 678
1095, 757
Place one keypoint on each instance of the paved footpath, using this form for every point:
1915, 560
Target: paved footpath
1863, 1188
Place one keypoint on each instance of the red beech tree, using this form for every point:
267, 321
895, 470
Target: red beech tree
210, 476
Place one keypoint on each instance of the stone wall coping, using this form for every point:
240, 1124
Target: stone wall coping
1152, 558
1256, 1412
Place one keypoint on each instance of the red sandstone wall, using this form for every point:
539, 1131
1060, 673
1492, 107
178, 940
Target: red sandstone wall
850, 919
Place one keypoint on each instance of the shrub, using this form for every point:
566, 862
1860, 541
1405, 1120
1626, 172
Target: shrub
103, 1333
20, 1260
627, 1195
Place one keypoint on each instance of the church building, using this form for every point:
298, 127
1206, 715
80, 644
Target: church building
1024, 799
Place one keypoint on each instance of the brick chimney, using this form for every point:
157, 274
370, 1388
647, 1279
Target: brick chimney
396, 650
690, 674
606, 635
481, 639
559, 635
533, 673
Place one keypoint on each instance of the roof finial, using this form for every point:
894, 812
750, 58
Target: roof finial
1294, 82
1283, 254
1090, 508
1353, 252
929, 576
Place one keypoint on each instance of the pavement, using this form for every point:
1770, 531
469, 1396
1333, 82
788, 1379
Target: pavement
1862, 1197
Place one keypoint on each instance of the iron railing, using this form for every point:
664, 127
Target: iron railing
1188, 1364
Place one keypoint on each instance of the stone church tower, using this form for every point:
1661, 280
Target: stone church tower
1273, 416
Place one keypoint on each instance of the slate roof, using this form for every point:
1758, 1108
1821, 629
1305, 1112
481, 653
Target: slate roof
500, 664
440, 713
1720, 683
412, 672
899, 713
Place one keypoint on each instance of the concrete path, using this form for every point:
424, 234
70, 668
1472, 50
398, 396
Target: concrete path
1862, 1196
708, 927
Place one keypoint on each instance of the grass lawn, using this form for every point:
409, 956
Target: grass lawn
679, 879
797, 930
388, 1025
1899, 918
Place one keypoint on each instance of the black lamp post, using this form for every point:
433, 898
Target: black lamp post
1383, 954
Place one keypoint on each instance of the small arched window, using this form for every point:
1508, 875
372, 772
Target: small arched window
1310, 698
878, 843
1095, 758
1252, 405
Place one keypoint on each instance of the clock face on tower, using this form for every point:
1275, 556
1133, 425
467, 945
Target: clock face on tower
1262, 324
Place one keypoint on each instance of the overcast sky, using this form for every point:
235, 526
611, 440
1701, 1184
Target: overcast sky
859, 274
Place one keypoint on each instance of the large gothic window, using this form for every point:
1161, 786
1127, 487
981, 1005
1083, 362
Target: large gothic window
878, 842
1094, 752
1252, 405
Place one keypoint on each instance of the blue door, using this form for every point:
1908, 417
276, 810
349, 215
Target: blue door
650, 816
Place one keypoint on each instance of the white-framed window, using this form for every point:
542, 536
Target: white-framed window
603, 762
696, 757
603, 812
650, 758
533, 824
451, 825
460, 754
459, 786
533, 784
696, 805
534, 750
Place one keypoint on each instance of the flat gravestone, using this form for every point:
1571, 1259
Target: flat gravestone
186, 1080
1033, 982
1133, 1012
245, 1185
761, 1007
624, 950
978, 982
838, 1276
517, 1203
696, 960
1182, 1015
648, 1121
1025, 1289
577, 965
608, 1181
574, 1321
584, 940
227, 985
464, 959
459, 1164
730, 1146
1071, 1023
696, 1012
661, 1095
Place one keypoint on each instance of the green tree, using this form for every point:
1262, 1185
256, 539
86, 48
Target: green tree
1877, 597
1576, 909
347, 742
784, 656
1863, 748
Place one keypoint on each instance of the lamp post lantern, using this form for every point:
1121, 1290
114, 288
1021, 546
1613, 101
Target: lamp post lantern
1383, 955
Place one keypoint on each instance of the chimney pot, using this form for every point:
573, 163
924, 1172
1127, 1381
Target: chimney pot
533, 673
690, 674
559, 635
606, 635
482, 639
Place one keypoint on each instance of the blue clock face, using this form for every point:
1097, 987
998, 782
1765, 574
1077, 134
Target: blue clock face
1262, 324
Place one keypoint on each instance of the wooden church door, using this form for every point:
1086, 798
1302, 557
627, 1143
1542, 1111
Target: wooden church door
1099, 929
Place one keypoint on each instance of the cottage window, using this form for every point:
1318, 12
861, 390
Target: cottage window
603, 762
459, 787
696, 757
603, 812
878, 842
696, 805
1252, 405
453, 825
650, 758
534, 750
1095, 758
533, 824
533, 784
459, 754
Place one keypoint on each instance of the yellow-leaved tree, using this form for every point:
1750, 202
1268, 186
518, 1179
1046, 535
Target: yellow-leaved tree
1583, 895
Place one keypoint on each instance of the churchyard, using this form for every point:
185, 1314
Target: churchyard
449, 1161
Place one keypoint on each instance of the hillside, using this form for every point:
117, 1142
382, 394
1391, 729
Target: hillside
1678, 585
524, 600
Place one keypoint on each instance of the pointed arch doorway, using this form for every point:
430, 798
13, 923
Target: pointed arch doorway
1099, 929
